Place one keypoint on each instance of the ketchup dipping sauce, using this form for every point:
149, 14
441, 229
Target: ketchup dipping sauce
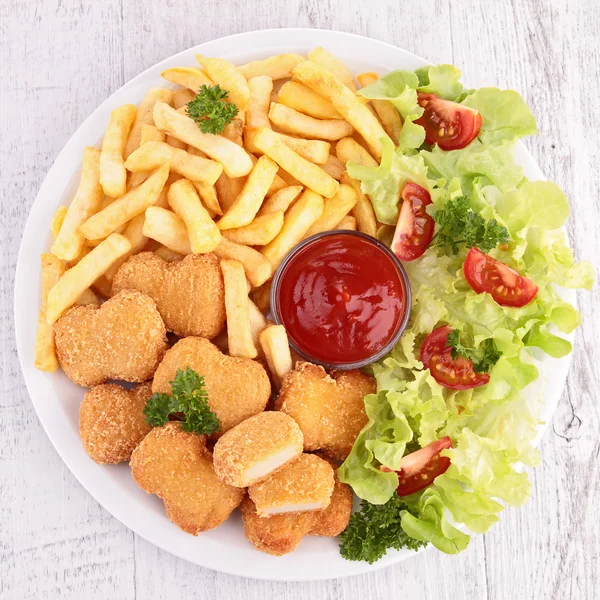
343, 297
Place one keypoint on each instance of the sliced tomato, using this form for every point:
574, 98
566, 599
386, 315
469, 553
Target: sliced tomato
506, 286
448, 124
454, 373
415, 227
419, 469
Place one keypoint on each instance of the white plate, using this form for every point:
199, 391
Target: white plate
56, 399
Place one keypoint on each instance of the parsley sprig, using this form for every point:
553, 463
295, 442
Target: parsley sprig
210, 109
461, 225
375, 529
483, 358
189, 401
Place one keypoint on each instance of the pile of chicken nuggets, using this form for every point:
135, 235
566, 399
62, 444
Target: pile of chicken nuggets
163, 261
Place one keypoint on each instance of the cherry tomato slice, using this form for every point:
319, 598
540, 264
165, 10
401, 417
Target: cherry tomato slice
415, 227
419, 469
506, 286
453, 373
448, 124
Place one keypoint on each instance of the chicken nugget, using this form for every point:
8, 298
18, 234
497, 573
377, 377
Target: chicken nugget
257, 447
237, 388
329, 409
177, 467
305, 484
277, 534
189, 293
111, 421
123, 339
331, 521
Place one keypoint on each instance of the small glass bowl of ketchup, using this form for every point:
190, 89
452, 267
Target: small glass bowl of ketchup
343, 297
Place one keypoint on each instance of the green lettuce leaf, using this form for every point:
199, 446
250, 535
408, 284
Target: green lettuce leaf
442, 80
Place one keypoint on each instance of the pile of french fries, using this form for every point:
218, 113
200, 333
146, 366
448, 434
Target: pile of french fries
276, 175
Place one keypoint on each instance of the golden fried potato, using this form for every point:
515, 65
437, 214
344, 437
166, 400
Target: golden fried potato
237, 388
256, 448
124, 339
177, 467
305, 484
111, 421
277, 535
329, 409
189, 293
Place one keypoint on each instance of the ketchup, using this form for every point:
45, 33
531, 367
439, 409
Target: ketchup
342, 298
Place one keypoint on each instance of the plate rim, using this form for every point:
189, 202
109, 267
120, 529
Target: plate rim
354, 568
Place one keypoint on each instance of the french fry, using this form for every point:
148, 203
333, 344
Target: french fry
182, 97
259, 232
303, 170
208, 195
228, 189
234, 131
334, 166
235, 160
297, 123
304, 100
166, 227
261, 296
102, 286
316, 151
258, 323
75, 281
88, 297
134, 232
125, 208
153, 155
143, 117
275, 67
239, 332
203, 233
363, 209
282, 200
229, 77
113, 176
274, 343
298, 220
195, 151
167, 254
251, 197
287, 178
277, 185
320, 80
260, 98
348, 222
87, 200
334, 65
334, 211
175, 143
57, 220
348, 149
191, 78
388, 114
45, 351
162, 201
150, 133
257, 267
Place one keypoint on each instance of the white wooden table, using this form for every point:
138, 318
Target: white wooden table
61, 58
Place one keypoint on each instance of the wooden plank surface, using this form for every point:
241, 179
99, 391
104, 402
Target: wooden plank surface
61, 58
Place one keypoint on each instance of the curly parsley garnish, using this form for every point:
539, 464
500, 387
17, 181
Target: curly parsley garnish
483, 358
461, 225
375, 529
210, 110
189, 401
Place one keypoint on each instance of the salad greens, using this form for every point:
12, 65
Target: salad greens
480, 197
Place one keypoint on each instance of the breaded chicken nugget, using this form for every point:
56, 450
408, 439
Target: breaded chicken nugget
329, 409
335, 518
111, 421
177, 467
189, 293
304, 484
277, 534
237, 388
257, 447
124, 339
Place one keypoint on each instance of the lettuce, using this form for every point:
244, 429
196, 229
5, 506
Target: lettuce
442, 80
